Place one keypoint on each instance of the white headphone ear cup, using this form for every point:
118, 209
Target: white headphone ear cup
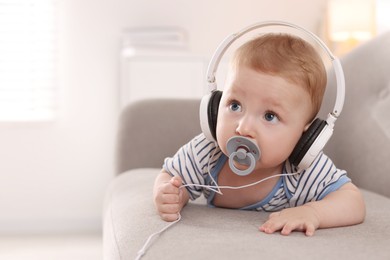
311, 144
208, 114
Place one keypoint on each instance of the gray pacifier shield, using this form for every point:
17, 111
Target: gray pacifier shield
244, 151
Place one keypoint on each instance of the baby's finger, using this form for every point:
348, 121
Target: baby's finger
168, 198
169, 217
176, 181
310, 229
168, 188
270, 227
169, 208
288, 228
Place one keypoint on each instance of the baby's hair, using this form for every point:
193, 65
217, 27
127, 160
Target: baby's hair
289, 57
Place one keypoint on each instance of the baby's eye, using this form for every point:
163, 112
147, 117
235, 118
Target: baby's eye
271, 117
235, 106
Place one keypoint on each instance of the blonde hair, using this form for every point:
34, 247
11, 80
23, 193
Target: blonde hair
289, 57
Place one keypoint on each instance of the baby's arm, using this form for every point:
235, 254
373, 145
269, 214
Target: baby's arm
343, 207
169, 198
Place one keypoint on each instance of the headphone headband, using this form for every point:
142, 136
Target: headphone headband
215, 60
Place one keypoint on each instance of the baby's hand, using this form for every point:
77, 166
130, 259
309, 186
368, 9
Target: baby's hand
303, 218
168, 199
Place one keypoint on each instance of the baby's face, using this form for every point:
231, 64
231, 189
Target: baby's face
268, 109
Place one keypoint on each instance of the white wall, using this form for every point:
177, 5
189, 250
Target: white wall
53, 175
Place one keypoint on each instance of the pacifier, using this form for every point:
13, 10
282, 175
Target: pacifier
244, 151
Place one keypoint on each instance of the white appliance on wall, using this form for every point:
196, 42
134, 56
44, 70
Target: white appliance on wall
156, 63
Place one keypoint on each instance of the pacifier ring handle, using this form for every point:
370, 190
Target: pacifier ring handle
245, 171
245, 152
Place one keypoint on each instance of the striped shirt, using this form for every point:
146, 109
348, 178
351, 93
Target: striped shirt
197, 158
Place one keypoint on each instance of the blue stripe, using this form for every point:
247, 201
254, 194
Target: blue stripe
194, 167
314, 182
191, 179
291, 182
206, 155
201, 141
281, 194
322, 182
190, 176
181, 172
212, 164
343, 179
278, 208
286, 181
307, 179
204, 147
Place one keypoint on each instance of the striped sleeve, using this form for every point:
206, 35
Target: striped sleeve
191, 163
314, 183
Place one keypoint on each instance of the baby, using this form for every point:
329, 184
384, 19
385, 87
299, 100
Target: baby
273, 91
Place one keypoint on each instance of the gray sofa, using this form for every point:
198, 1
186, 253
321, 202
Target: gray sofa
153, 129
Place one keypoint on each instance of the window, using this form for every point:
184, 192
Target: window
382, 15
28, 58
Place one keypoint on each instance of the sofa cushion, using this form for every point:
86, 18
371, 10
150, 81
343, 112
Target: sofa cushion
130, 218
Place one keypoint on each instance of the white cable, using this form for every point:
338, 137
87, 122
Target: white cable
142, 251
216, 189
213, 188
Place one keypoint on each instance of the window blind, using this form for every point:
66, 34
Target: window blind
28, 59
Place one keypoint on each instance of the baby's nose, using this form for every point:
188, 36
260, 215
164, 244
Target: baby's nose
246, 127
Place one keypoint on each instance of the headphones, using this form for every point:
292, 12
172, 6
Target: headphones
314, 139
